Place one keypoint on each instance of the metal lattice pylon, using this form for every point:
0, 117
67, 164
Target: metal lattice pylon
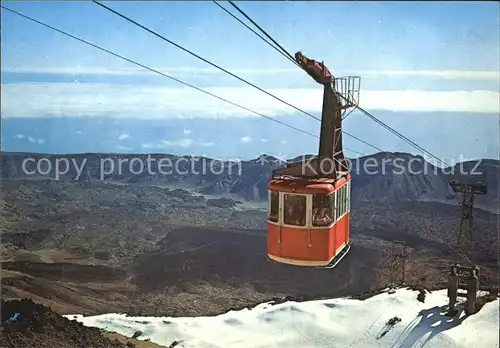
396, 258
465, 236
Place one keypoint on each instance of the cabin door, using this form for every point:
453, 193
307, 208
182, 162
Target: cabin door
275, 230
294, 230
280, 240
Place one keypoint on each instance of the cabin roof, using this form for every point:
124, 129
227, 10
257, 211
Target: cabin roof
308, 185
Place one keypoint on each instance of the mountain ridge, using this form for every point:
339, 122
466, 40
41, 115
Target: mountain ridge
381, 177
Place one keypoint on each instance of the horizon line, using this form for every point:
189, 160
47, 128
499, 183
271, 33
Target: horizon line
445, 74
234, 160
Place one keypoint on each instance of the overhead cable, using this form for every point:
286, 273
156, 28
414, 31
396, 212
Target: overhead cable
220, 68
154, 70
366, 113
159, 72
285, 54
200, 57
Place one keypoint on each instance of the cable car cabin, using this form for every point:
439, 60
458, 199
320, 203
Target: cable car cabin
309, 204
308, 220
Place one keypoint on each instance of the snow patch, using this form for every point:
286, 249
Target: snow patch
395, 320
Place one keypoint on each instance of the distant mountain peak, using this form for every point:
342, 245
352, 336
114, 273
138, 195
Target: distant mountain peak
264, 157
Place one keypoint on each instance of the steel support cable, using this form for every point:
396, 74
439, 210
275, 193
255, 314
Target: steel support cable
401, 136
287, 55
222, 69
163, 74
284, 54
201, 58
283, 51
262, 30
395, 132
381, 123
155, 71
366, 113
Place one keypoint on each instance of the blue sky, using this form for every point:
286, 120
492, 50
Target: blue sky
430, 70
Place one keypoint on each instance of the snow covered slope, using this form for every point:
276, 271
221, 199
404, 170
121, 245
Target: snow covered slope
342, 323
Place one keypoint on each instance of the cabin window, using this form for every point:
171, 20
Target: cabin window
274, 204
333, 205
348, 194
322, 210
338, 204
344, 199
341, 201
295, 210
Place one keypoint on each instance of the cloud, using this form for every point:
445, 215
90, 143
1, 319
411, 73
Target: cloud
32, 140
284, 142
263, 140
180, 142
184, 142
123, 136
446, 74
38, 141
78, 70
79, 132
186, 131
146, 101
153, 145
207, 143
177, 71
246, 139
124, 148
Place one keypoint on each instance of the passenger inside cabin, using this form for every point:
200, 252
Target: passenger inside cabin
321, 216
295, 210
300, 214
289, 214
322, 212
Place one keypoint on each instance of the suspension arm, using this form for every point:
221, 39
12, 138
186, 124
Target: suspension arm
317, 70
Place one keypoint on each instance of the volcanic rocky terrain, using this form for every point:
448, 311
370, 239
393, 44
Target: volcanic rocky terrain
194, 242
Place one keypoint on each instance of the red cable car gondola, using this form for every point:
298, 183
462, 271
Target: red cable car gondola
309, 201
